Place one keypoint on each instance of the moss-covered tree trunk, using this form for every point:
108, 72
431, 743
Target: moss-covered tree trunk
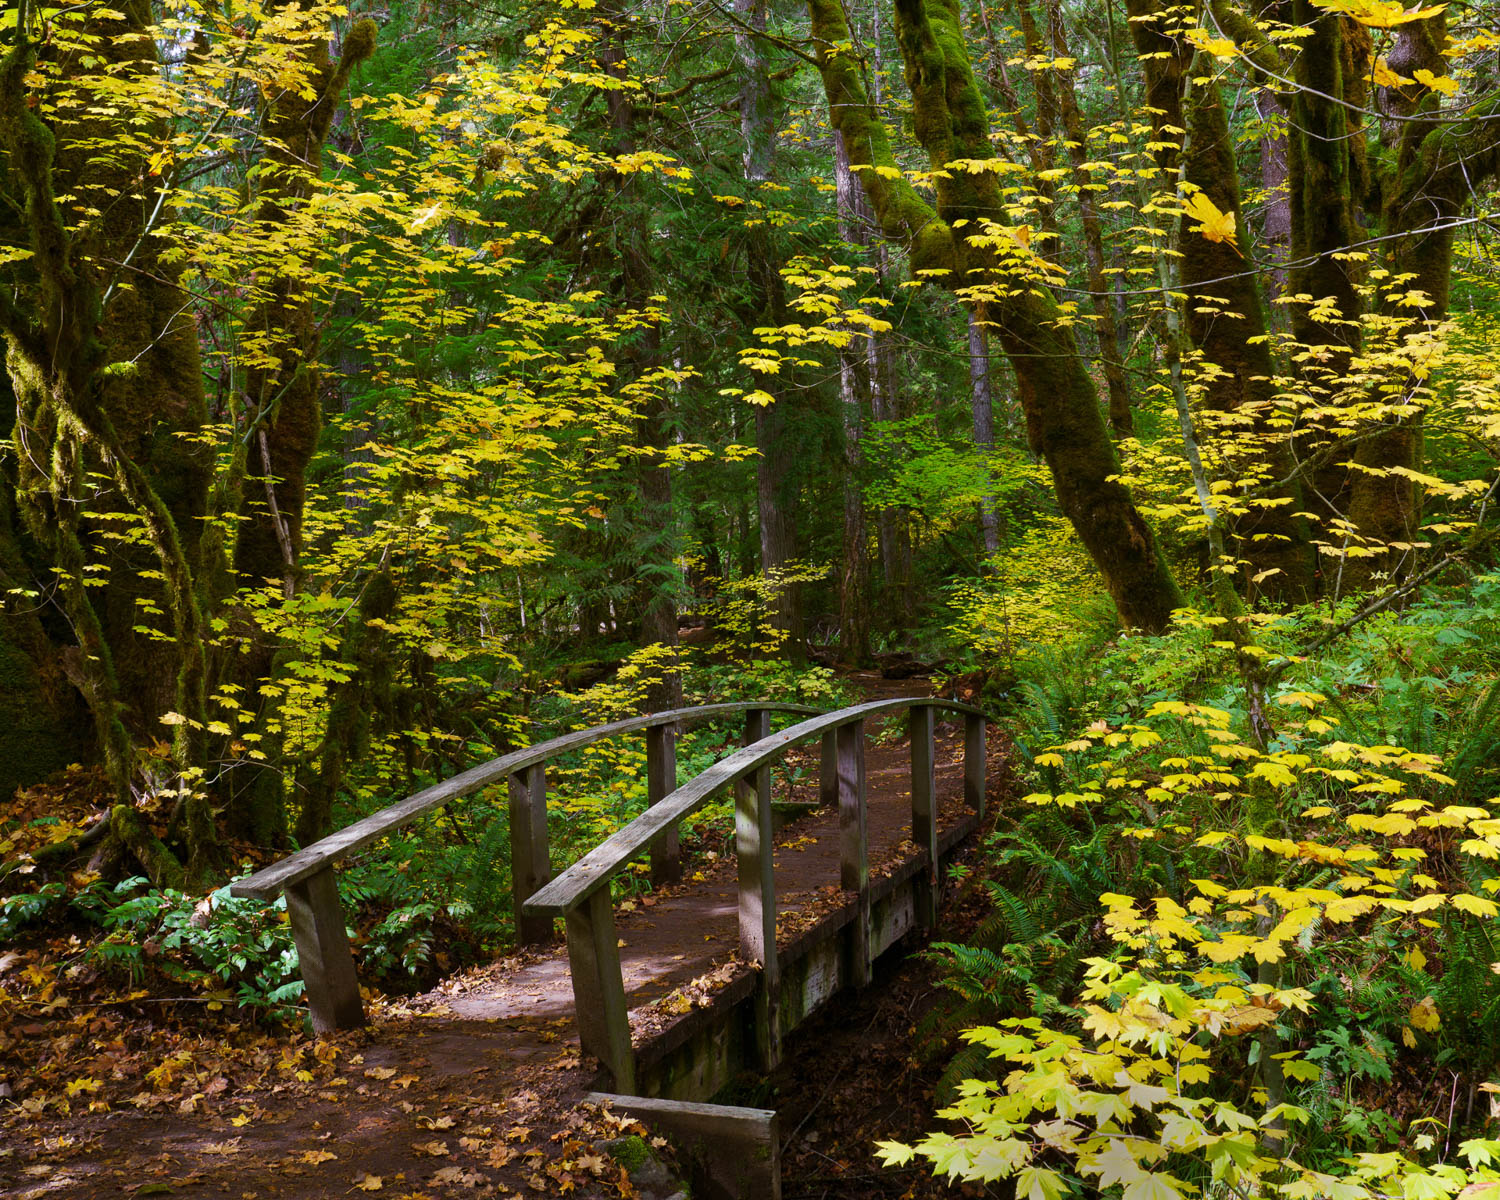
104, 511
1101, 297
857, 376
1225, 318
1418, 212
1058, 398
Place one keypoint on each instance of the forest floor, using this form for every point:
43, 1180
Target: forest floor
475, 1088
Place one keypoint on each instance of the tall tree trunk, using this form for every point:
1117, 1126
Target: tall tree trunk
1225, 320
108, 400
982, 402
1061, 407
775, 480
858, 366
1100, 294
659, 577
282, 412
1420, 208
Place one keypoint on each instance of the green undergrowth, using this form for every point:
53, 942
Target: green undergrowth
1313, 921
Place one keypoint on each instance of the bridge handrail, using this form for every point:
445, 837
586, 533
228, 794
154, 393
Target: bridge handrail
308, 877
268, 882
573, 887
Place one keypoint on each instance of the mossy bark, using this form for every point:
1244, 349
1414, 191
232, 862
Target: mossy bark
1121, 422
1058, 397
105, 371
1325, 171
1225, 317
1419, 206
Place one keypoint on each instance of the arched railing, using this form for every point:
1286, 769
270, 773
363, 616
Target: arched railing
581, 894
311, 886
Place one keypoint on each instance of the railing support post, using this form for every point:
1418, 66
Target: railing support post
854, 848
924, 824
974, 765
328, 978
599, 987
757, 892
828, 770
661, 780
530, 857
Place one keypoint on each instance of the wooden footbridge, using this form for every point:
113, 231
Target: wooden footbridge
783, 979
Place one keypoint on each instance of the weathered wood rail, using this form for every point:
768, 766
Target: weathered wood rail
582, 894
310, 883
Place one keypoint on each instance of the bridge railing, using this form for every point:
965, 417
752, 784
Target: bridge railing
582, 896
310, 883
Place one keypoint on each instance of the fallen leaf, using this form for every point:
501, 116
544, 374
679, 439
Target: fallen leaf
369, 1183
314, 1157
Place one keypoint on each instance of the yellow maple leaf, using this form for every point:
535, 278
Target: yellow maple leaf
1384, 76
1424, 1015
1438, 83
1213, 224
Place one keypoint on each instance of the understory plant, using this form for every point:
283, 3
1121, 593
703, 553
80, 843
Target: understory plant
1274, 941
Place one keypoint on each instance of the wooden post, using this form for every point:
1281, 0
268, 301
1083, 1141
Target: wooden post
757, 891
974, 765
328, 977
924, 825
757, 725
854, 849
599, 987
828, 771
661, 781
530, 861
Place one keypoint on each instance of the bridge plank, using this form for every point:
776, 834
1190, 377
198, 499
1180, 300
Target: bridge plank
854, 843
328, 978
924, 811
599, 990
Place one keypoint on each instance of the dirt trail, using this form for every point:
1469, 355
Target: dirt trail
475, 1085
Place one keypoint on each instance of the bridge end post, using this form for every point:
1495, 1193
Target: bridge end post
599, 987
327, 965
530, 855
974, 764
661, 781
924, 824
854, 845
757, 892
